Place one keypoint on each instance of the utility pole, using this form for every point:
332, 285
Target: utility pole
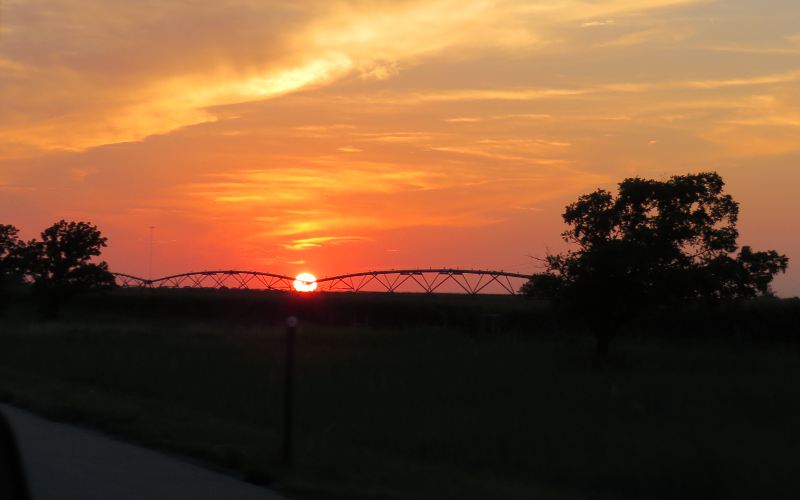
150, 265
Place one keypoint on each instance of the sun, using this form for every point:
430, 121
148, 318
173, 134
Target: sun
305, 282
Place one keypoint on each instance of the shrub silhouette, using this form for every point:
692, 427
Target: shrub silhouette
655, 243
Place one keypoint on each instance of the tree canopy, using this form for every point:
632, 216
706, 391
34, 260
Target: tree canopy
654, 242
10, 245
61, 260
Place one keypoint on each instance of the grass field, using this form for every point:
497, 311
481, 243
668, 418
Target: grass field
418, 398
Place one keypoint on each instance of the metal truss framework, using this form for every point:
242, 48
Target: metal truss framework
470, 281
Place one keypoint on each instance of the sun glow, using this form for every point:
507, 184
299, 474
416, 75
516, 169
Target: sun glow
305, 282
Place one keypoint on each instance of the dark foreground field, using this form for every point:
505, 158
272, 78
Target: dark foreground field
426, 397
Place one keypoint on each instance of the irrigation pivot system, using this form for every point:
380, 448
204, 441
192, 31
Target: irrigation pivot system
470, 281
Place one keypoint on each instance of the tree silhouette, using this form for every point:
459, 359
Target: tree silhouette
10, 269
654, 243
60, 264
9, 251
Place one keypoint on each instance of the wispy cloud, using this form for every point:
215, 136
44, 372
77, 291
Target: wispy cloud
319, 241
534, 94
596, 23
645, 36
509, 116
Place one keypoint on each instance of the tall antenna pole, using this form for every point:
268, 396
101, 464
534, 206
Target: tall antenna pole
150, 265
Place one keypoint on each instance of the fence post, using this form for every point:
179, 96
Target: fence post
288, 391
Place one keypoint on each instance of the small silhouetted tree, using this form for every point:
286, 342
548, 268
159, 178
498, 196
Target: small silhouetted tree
10, 245
655, 243
10, 264
60, 264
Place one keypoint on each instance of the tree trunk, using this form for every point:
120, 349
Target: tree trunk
50, 304
603, 334
5, 294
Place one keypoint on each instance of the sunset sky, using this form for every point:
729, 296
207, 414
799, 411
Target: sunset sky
340, 136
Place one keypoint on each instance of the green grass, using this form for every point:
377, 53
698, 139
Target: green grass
419, 411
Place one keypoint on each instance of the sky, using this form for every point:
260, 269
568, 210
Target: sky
339, 136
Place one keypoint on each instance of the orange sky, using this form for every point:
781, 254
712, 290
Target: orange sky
338, 136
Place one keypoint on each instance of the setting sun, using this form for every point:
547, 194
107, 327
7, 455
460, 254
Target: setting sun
305, 282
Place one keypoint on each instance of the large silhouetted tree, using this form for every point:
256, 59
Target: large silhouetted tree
654, 243
60, 264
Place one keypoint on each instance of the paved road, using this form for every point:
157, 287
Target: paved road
63, 462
